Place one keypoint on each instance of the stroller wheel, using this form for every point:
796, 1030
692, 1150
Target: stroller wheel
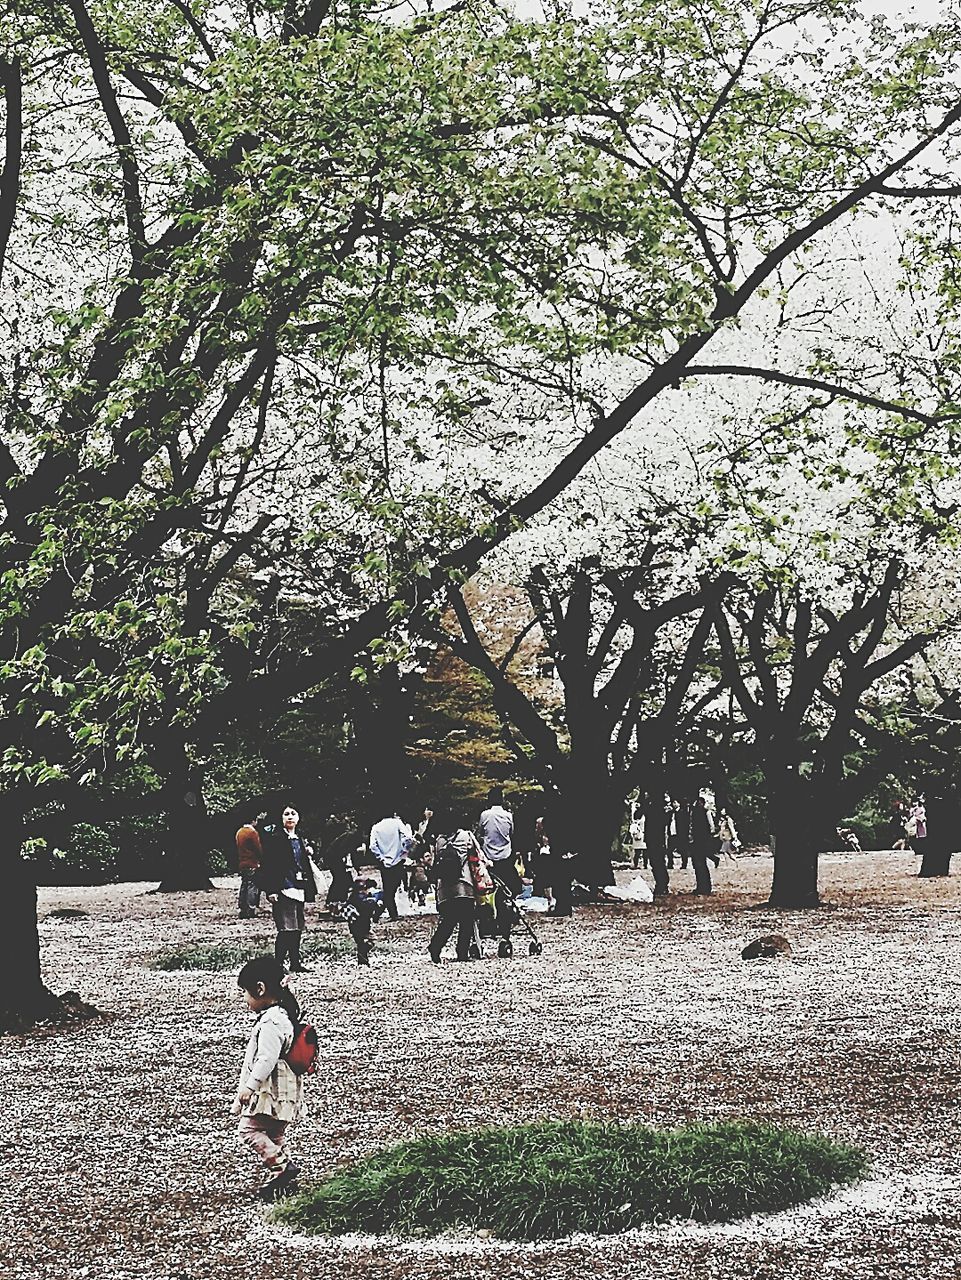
474, 951
535, 948
505, 949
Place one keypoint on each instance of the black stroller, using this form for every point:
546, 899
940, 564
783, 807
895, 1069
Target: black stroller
491, 922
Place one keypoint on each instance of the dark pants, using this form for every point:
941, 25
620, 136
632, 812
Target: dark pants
702, 877
249, 893
658, 861
340, 882
360, 932
506, 872
455, 913
390, 878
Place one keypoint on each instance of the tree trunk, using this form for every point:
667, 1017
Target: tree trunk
381, 715
186, 839
23, 997
797, 837
587, 824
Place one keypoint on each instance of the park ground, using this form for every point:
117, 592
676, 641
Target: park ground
120, 1160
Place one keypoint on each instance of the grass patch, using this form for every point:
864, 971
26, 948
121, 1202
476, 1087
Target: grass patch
219, 956
554, 1178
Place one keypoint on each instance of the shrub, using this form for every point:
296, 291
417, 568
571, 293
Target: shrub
553, 1178
219, 956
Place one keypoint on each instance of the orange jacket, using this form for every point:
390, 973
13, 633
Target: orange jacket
249, 850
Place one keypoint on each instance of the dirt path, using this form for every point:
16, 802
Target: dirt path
122, 1162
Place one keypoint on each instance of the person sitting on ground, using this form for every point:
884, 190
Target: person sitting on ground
454, 878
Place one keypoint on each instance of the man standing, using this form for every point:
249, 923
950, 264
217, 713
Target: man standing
496, 831
703, 844
390, 841
249, 856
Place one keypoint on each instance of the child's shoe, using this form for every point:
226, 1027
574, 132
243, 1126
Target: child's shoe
282, 1184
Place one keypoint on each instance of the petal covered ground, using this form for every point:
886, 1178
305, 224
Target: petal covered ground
121, 1162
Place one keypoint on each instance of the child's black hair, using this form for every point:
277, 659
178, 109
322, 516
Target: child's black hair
269, 971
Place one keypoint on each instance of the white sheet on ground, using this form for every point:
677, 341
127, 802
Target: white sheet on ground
638, 890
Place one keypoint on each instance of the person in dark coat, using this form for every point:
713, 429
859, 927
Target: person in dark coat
337, 857
703, 844
287, 878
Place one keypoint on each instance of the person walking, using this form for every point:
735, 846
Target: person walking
268, 1094
456, 900
727, 834
495, 830
702, 845
287, 878
391, 840
249, 855
638, 841
336, 857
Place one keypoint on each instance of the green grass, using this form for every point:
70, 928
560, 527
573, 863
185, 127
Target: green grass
219, 956
554, 1178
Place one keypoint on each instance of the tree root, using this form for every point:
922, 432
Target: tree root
47, 1011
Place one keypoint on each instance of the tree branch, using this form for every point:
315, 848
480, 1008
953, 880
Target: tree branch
13, 150
819, 384
132, 199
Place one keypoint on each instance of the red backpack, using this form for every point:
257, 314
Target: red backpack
301, 1057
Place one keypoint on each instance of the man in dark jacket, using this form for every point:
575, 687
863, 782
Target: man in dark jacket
287, 878
702, 844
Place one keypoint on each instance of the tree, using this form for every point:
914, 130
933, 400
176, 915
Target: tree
459, 226
799, 668
627, 649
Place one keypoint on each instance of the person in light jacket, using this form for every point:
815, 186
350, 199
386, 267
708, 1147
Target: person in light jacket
268, 1093
391, 840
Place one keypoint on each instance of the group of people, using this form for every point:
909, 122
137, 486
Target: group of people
473, 867
684, 830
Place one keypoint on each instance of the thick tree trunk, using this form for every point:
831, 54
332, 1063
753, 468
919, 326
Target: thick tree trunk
381, 716
797, 835
23, 997
185, 841
587, 824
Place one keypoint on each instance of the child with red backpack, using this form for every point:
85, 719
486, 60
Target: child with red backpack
280, 1050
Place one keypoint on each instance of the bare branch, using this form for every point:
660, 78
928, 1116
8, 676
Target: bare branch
132, 199
13, 150
818, 384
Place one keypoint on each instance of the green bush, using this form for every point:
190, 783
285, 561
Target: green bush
554, 1178
219, 956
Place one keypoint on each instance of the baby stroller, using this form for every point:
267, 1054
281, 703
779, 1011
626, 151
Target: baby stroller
491, 920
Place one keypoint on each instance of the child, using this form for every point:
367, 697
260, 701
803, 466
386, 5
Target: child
364, 905
419, 879
269, 1094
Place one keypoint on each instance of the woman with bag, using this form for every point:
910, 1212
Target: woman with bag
458, 868
286, 876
